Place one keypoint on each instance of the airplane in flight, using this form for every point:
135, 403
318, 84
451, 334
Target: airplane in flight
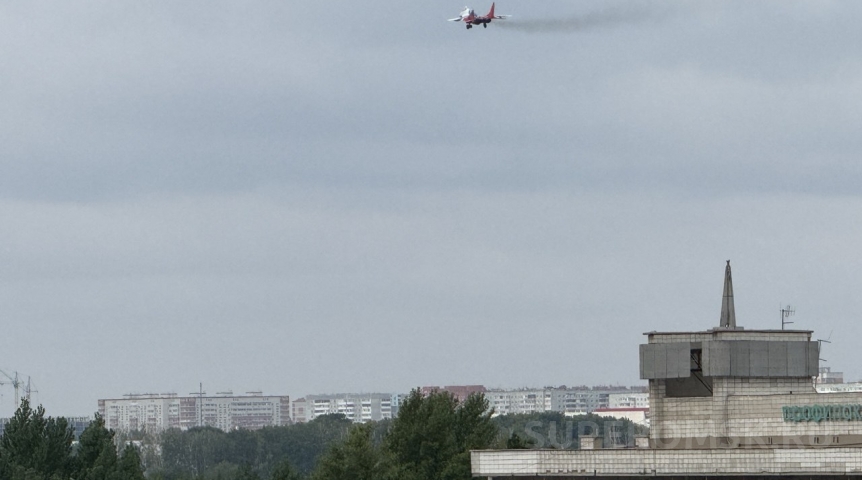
468, 16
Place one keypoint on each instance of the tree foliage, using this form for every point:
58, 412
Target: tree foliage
430, 439
556, 430
355, 459
433, 435
34, 447
214, 454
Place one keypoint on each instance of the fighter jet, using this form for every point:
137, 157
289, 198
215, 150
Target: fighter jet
468, 16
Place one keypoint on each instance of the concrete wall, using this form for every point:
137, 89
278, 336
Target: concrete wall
717, 334
745, 407
635, 462
731, 358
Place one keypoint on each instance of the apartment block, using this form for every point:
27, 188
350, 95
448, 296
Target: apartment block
358, 407
157, 412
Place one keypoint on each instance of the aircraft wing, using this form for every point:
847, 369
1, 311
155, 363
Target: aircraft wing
455, 19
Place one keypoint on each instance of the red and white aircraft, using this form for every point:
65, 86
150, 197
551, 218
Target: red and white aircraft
468, 16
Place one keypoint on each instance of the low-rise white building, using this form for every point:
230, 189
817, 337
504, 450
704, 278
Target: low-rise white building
628, 400
838, 387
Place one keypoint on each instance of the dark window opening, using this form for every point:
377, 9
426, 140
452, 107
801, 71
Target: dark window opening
695, 385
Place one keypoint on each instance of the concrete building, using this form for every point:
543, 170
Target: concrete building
519, 401
638, 415
827, 376
158, 412
567, 400
838, 387
583, 400
725, 402
358, 407
629, 400
460, 392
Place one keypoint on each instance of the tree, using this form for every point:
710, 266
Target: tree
35, 446
355, 459
96, 455
556, 430
515, 442
129, 466
283, 471
246, 472
433, 435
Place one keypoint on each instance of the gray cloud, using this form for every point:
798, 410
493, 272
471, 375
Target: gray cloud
199, 191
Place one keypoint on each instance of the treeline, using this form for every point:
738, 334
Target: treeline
211, 453
558, 431
35, 447
430, 439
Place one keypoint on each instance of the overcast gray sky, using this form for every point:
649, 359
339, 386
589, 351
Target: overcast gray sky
309, 197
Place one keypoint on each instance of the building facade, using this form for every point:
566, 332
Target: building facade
828, 377
158, 412
629, 400
567, 400
519, 401
358, 407
460, 392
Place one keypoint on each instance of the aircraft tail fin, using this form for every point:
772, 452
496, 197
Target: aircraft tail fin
491, 13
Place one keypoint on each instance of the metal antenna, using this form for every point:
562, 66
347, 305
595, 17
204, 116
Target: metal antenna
200, 393
821, 341
786, 312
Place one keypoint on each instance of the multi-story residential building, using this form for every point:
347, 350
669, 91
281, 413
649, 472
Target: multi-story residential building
397, 400
460, 392
567, 400
157, 412
526, 400
358, 407
583, 400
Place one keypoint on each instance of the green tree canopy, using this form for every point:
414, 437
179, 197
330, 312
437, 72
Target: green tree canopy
33, 445
37, 448
433, 435
356, 458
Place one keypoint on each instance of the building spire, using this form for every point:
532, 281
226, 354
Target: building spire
728, 315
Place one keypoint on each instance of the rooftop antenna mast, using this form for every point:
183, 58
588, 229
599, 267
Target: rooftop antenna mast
200, 394
821, 341
785, 313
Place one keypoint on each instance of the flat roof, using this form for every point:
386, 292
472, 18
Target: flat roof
726, 330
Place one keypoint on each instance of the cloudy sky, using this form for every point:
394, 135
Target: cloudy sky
310, 197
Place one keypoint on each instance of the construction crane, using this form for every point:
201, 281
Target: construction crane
16, 384
29, 389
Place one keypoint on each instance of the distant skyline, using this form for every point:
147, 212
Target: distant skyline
275, 197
